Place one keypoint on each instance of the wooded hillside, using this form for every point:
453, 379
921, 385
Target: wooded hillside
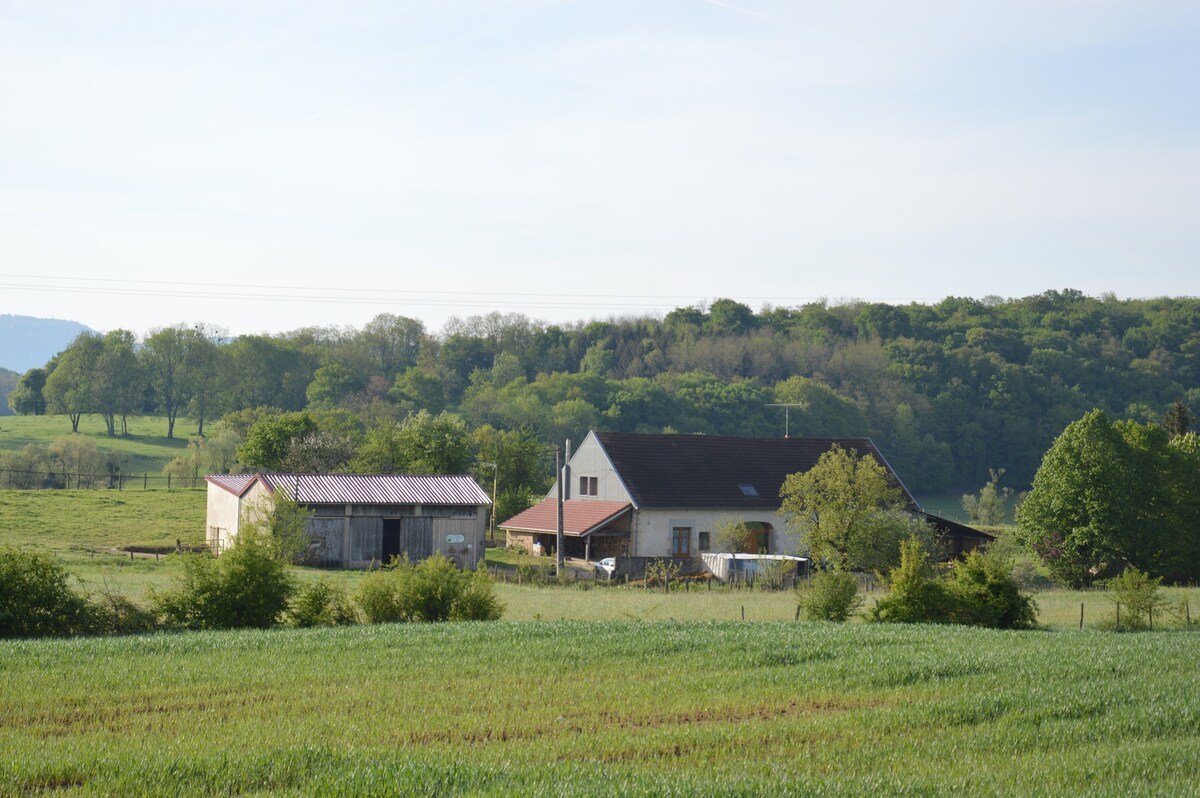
946, 390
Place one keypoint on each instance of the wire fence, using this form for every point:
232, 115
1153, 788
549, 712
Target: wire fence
17, 479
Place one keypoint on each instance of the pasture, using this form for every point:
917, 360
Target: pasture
604, 708
147, 447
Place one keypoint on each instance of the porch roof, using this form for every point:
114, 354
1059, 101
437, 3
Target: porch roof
580, 517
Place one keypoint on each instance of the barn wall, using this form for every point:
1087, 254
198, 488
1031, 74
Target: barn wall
222, 518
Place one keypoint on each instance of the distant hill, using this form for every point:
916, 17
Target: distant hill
27, 342
8, 381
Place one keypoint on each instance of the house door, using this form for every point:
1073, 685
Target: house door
391, 540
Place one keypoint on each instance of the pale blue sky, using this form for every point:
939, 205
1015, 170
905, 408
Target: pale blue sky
572, 160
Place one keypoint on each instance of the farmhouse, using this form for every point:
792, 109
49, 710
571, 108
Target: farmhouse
358, 519
660, 496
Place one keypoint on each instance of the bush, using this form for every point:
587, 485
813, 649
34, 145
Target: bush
36, 599
322, 603
984, 593
1140, 595
915, 595
830, 596
432, 590
245, 587
981, 592
115, 614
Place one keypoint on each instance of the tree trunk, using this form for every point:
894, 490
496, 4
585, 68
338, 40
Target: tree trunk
75, 421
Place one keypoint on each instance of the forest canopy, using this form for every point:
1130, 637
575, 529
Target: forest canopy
948, 391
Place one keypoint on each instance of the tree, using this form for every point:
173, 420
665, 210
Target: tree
842, 509
270, 439
117, 387
990, 506
732, 535
1177, 421
69, 386
28, 398
1111, 495
175, 361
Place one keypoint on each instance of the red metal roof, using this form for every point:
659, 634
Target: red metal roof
580, 516
456, 489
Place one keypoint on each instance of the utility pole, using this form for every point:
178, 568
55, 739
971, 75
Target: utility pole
787, 406
558, 545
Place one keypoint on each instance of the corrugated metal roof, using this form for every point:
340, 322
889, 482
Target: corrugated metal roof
580, 516
364, 488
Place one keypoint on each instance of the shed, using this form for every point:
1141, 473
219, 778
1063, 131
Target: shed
360, 519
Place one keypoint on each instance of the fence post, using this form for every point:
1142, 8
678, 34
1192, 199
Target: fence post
1081, 615
145, 480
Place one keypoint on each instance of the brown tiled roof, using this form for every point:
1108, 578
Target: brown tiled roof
456, 489
710, 470
580, 516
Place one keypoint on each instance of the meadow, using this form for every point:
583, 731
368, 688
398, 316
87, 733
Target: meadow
147, 448
603, 708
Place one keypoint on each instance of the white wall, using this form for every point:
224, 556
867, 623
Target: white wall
652, 529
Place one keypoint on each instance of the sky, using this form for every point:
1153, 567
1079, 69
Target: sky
264, 166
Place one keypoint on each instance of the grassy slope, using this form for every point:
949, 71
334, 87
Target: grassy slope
605, 709
147, 445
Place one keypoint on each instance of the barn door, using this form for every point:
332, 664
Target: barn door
391, 540
416, 537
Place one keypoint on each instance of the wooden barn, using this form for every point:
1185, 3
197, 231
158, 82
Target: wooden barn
360, 519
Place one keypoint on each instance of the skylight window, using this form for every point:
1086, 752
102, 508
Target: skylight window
748, 490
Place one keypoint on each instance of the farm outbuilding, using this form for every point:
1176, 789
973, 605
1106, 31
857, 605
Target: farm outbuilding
360, 519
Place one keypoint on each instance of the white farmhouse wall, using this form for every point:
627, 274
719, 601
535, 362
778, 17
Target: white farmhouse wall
652, 529
589, 460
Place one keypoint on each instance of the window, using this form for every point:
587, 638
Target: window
748, 490
681, 541
589, 486
704, 541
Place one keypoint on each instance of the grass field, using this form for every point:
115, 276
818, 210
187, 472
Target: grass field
147, 446
608, 708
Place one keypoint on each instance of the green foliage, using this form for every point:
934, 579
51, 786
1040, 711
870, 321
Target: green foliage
282, 526
990, 506
1140, 596
732, 535
36, 599
980, 592
431, 590
27, 398
247, 586
842, 509
986, 594
915, 594
1109, 495
829, 596
322, 603
270, 439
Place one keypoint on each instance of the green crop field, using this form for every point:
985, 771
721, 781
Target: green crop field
147, 447
605, 708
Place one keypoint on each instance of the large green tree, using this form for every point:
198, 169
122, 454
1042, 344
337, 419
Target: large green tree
1110, 495
847, 511
28, 397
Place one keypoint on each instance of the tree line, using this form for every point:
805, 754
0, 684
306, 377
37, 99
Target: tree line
949, 391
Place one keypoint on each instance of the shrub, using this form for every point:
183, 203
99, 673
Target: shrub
115, 614
36, 599
915, 595
981, 592
984, 593
1140, 595
322, 603
432, 590
830, 596
245, 587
